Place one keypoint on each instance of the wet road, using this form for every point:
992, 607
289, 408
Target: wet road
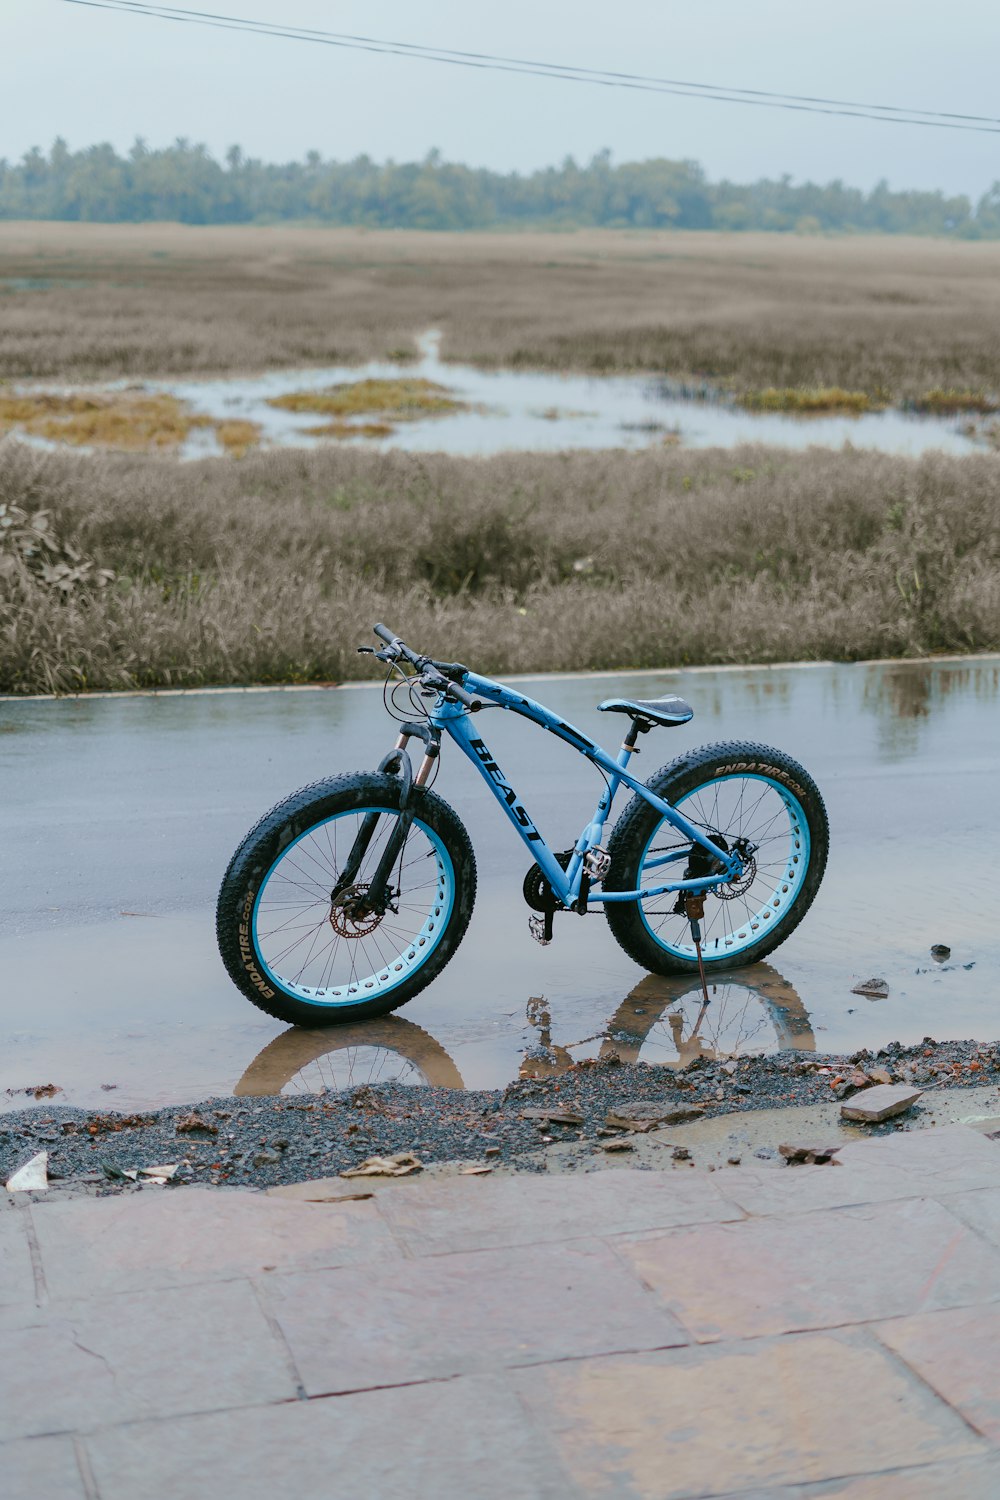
120, 814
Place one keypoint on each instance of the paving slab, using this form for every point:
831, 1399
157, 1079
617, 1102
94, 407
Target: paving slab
908, 1164
957, 1352
17, 1280
739, 1418
816, 1270
969, 1479
797, 1189
480, 1213
463, 1313
118, 1359
42, 1468
947, 1158
980, 1209
168, 1237
448, 1440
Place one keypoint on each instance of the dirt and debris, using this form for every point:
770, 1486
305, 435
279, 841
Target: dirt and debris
289, 1139
645, 1117
810, 1156
882, 1102
195, 1124
399, 1165
32, 1177
874, 989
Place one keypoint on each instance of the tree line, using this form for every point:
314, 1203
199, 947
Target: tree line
185, 183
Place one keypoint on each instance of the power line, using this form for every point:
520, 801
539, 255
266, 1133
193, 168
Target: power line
165, 12
887, 114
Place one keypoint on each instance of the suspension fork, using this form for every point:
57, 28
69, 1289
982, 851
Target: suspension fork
397, 762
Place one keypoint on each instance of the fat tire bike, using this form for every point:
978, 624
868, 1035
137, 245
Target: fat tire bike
352, 894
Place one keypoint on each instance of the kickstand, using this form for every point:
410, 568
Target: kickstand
694, 906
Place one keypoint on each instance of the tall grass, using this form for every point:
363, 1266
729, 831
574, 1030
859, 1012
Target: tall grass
274, 568
891, 317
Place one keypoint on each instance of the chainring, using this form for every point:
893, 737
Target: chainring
536, 889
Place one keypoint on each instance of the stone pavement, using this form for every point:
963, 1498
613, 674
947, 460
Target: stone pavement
804, 1331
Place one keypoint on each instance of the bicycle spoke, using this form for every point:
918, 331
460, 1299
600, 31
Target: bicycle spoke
333, 949
735, 807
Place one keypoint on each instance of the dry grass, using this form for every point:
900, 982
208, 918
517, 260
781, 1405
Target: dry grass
132, 421
123, 419
750, 311
342, 429
238, 436
401, 400
273, 569
951, 403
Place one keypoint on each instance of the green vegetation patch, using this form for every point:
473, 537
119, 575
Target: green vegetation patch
810, 402
403, 400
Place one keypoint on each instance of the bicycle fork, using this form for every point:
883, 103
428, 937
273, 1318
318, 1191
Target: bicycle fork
377, 897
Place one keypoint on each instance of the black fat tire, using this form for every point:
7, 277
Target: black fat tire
288, 821
635, 827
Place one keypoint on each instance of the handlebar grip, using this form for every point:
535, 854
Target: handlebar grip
473, 704
384, 634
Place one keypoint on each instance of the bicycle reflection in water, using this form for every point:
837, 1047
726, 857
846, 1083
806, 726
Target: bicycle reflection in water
663, 1020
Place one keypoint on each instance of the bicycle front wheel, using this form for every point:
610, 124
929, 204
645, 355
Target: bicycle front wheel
740, 794
306, 956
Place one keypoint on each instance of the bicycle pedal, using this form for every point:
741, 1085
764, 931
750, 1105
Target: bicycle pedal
597, 862
536, 926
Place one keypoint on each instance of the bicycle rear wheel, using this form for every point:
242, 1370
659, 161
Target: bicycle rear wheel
734, 792
306, 956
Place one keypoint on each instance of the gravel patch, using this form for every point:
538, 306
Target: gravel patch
266, 1142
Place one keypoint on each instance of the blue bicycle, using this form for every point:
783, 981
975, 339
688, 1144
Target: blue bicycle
351, 895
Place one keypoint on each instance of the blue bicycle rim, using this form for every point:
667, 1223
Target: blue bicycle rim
731, 927
293, 909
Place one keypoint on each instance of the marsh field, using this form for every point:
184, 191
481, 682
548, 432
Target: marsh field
132, 568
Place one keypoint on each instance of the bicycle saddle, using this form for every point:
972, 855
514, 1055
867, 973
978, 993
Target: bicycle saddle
668, 710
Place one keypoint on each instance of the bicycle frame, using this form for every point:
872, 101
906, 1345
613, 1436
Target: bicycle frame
457, 722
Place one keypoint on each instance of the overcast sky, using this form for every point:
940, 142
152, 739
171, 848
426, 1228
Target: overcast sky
92, 75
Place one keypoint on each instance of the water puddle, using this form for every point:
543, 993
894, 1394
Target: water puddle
753, 1138
532, 411
120, 814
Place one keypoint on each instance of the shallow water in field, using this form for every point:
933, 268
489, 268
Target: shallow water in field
120, 813
538, 411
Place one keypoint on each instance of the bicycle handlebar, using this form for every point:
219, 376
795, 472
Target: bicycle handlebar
472, 704
432, 671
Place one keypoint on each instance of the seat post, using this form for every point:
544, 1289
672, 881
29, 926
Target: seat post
629, 746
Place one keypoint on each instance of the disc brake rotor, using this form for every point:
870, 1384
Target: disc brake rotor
349, 915
734, 888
